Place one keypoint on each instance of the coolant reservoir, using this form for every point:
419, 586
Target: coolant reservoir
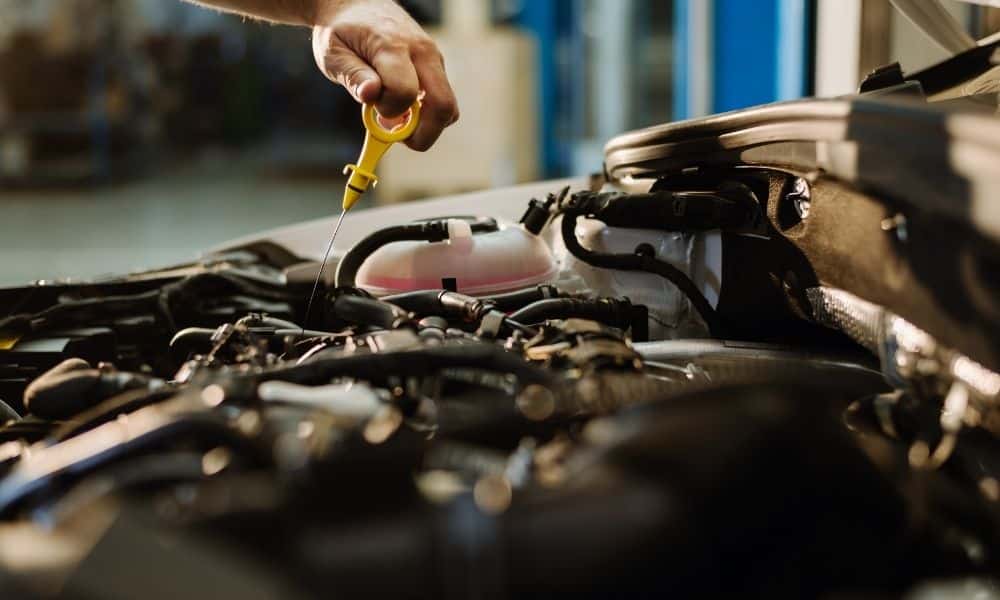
480, 263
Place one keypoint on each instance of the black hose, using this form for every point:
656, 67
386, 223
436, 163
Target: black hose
429, 231
71, 312
62, 390
73, 386
109, 408
476, 224
640, 262
430, 302
177, 302
731, 208
422, 361
441, 303
421, 302
610, 311
514, 300
366, 311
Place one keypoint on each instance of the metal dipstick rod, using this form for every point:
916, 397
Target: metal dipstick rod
378, 140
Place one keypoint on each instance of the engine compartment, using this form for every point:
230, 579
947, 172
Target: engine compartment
201, 431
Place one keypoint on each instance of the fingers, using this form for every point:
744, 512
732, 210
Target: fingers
343, 66
439, 108
393, 81
400, 85
389, 69
368, 91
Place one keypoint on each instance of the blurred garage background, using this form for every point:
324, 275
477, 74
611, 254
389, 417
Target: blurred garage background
135, 133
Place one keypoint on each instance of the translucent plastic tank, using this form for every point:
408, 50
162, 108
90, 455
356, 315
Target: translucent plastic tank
481, 263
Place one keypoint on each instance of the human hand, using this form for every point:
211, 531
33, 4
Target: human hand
382, 56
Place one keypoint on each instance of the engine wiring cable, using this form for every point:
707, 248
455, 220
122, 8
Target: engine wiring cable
526, 329
172, 301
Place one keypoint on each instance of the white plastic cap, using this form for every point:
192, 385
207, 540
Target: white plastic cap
460, 234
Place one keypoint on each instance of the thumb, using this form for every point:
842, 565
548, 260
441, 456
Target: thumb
369, 90
341, 65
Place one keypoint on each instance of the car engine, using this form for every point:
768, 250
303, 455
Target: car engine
488, 407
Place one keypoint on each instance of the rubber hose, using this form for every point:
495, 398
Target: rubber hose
347, 269
422, 302
73, 386
428, 302
441, 303
613, 312
610, 391
108, 410
366, 311
514, 300
476, 224
59, 390
322, 367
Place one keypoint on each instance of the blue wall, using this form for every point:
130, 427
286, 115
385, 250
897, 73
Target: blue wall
553, 23
760, 51
745, 53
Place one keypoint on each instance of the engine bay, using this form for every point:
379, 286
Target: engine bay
473, 406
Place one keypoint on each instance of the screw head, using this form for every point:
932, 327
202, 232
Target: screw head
801, 197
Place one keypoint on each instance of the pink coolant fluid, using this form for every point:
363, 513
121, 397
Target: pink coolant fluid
481, 263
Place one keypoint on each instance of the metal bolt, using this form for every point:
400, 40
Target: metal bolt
801, 197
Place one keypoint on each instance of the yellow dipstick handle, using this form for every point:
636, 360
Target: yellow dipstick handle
377, 142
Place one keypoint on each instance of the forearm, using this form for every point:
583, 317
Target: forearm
292, 12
